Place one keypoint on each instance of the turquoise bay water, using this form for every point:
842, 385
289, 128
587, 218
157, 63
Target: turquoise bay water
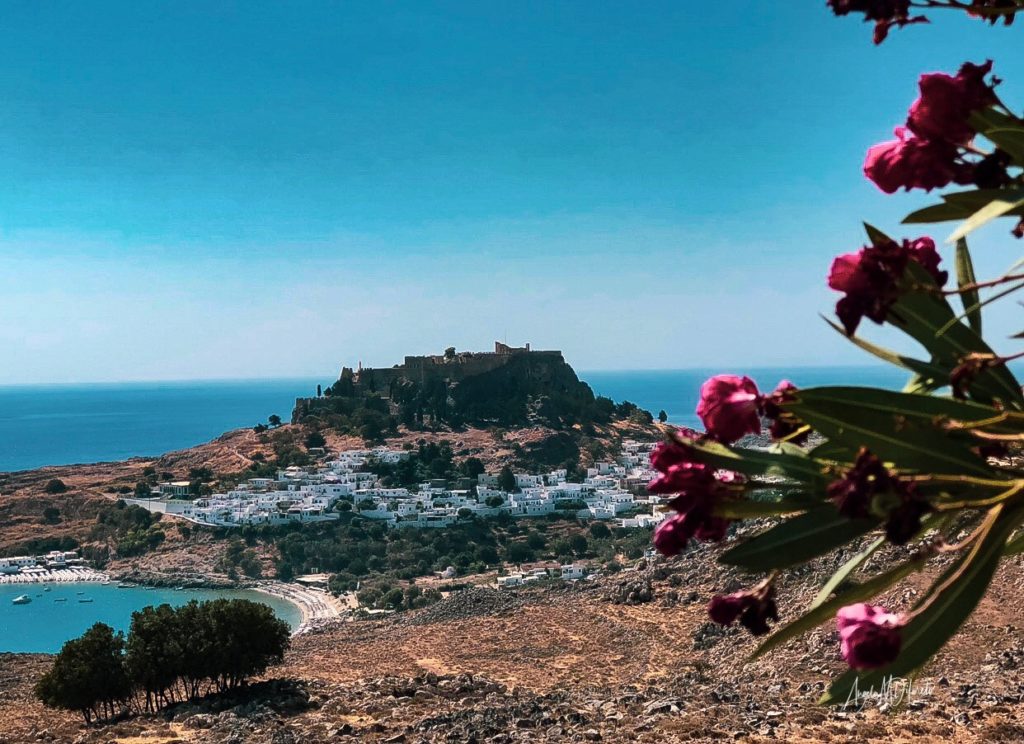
43, 625
63, 424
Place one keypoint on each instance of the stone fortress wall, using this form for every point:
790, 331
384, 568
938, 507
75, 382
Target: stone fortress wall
452, 367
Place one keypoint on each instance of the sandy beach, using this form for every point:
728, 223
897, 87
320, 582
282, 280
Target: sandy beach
317, 607
52, 576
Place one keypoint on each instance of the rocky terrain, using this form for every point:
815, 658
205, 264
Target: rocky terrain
627, 658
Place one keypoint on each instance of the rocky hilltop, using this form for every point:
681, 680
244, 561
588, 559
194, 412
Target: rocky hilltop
509, 386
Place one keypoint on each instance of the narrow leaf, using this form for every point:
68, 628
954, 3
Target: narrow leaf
901, 428
797, 539
1010, 200
965, 277
845, 570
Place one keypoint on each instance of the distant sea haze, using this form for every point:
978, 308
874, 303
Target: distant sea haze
63, 424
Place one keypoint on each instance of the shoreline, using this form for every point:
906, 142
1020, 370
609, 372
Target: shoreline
56, 576
316, 608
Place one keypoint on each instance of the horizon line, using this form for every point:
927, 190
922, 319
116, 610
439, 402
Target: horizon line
718, 369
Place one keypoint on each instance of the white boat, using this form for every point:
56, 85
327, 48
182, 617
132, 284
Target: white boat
85, 599
21, 599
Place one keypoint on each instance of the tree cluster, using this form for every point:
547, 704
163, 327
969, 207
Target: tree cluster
169, 655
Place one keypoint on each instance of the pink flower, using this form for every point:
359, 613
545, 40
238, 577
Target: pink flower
923, 251
869, 636
693, 519
753, 609
871, 278
672, 536
941, 111
667, 454
784, 424
909, 162
686, 476
729, 407
860, 493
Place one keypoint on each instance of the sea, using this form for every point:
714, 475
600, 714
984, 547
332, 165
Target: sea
57, 612
65, 424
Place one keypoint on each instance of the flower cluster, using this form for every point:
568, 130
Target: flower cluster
869, 636
698, 488
871, 278
926, 154
731, 407
869, 488
885, 13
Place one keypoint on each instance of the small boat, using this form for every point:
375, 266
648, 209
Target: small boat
46, 589
125, 586
21, 599
61, 599
85, 599
178, 588
79, 592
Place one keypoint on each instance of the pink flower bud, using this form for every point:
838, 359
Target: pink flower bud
869, 635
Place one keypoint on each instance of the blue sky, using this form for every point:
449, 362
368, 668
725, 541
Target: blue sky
247, 189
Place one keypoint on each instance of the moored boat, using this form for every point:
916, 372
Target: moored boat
85, 599
21, 599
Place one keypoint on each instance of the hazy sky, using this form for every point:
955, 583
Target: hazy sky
247, 189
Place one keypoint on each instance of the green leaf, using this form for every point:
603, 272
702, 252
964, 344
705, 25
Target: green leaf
898, 427
957, 205
752, 462
944, 212
1015, 545
937, 375
928, 318
876, 236
1006, 132
1010, 141
951, 601
753, 509
827, 610
797, 539
1007, 201
964, 277
845, 570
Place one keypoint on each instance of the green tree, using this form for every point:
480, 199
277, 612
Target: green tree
274, 420
315, 439
51, 515
662, 416
506, 479
88, 675
55, 485
472, 467
142, 490
155, 655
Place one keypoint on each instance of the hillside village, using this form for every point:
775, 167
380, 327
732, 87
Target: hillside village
344, 482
